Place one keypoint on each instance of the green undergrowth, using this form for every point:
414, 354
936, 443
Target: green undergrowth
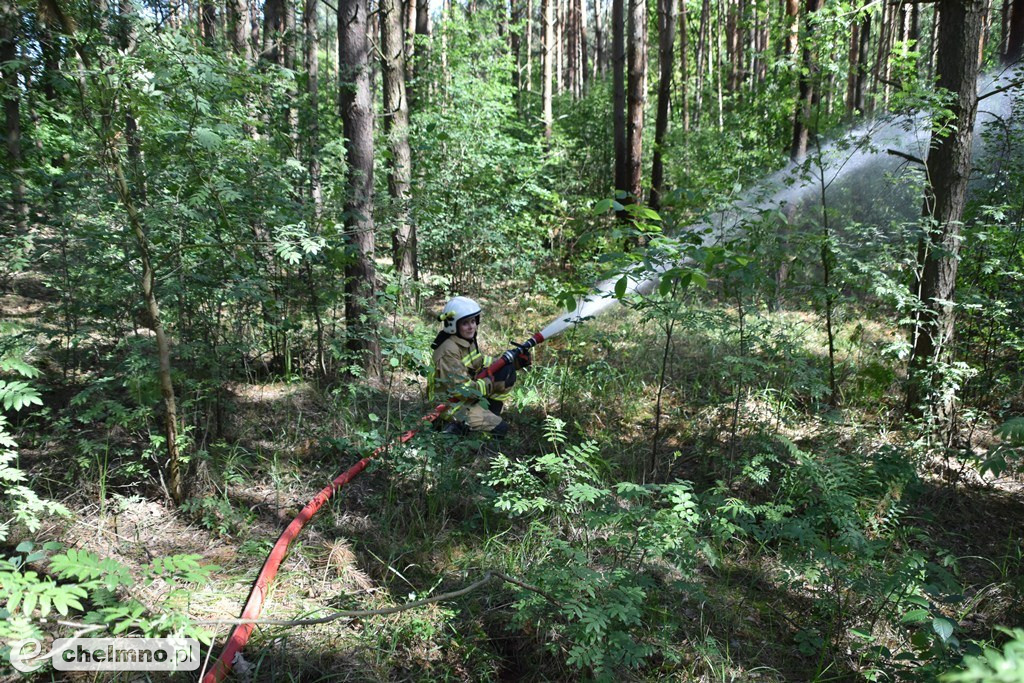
700, 513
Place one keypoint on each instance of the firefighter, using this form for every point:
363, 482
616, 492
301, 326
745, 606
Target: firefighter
457, 360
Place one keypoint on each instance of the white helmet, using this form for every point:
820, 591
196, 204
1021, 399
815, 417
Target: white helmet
455, 310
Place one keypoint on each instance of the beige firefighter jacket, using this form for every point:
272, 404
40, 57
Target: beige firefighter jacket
456, 362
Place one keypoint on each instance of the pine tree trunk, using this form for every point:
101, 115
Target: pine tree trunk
290, 59
636, 96
1014, 33
357, 124
853, 64
793, 22
864, 35
529, 46
12, 114
684, 48
238, 27
584, 49
516, 46
396, 130
548, 49
273, 28
948, 170
208, 23
598, 44
409, 24
311, 129
312, 124
558, 19
701, 58
619, 94
802, 124
666, 44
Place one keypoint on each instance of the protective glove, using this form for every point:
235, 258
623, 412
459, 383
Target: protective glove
507, 375
518, 358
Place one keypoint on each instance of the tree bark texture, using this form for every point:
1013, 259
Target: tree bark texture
948, 169
548, 48
9, 15
273, 30
805, 99
598, 38
1014, 33
793, 22
516, 47
701, 59
208, 23
311, 57
666, 45
529, 45
853, 63
357, 123
684, 48
619, 94
238, 26
860, 89
396, 130
637, 95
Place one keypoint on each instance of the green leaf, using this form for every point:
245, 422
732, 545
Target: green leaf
620, 287
602, 206
207, 139
943, 627
914, 616
1012, 430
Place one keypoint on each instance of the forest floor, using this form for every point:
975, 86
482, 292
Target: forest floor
405, 531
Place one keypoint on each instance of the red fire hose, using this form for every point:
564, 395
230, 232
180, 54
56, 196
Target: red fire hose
254, 605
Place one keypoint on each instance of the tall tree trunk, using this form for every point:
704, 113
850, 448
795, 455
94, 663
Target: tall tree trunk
637, 95
948, 169
734, 42
312, 124
208, 22
880, 74
516, 46
290, 59
396, 130
419, 55
1014, 33
238, 27
1004, 34
853, 63
548, 49
598, 44
802, 124
684, 49
311, 128
558, 20
9, 18
423, 18
584, 53
529, 46
701, 58
409, 15
860, 88
619, 94
273, 30
357, 124
666, 43
792, 43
